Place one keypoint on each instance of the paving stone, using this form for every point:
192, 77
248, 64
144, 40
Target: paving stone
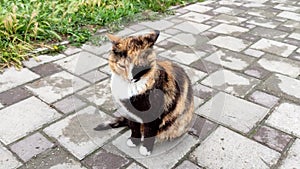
69, 104
53, 159
81, 62
295, 35
226, 149
292, 24
229, 19
229, 29
229, 11
94, 76
231, 82
184, 39
286, 7
234, 44
274, 47
182, 54
230, 3
275, 139
290, 15
249, 37
264, 99
264, 22
187, 164
24, 117
192, 27
196, 17
202, 127
283, 86
97, 50
205, 66
134, 166
56, 86
31, 146
105, 69
202, 91
198, 8
14, 95
72, 50
175, 150
104, 159
293, 157
233, 112
172, 31
46, 69
100, 94
257, 71
1, 106
76, 132
286, 117
262, 13
125, 32
268, 33
137, 27
254, 53
194, 74
280, 65
7, 160
230, 59
158, 25
42, 60
12, 78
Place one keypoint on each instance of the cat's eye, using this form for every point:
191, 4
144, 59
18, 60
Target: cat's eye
120, 54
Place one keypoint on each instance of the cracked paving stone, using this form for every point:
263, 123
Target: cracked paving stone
234, 44
69, 104
196, 17
275, 139
24, 117
76, 132
229, 29
187, 165
42, 59
12, 78
192, 27
230, 59
53, 159
293, 157
202, 127
46, 69
56, 86
100, 94
268, 33
264, 99
283, 86
198, 8
104, 159
274, 47
81, 62
227, 149
14, 95
264, 22
229, 19
7, 160
290, 15
286, 117
31, 146
233, 112
170, 151
231, 82
280, 65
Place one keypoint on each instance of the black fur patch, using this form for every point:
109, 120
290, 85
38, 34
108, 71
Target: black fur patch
139, 71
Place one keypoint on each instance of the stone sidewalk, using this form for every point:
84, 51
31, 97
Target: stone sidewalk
243, 58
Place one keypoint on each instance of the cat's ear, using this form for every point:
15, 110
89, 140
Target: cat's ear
152, 37
114, 39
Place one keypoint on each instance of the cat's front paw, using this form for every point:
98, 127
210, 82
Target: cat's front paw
144, 151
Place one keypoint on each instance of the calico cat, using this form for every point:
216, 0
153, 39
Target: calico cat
157, 94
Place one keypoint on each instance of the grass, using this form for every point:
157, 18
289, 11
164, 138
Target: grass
29, 24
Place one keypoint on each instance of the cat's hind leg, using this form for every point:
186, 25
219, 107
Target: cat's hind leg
136, 135
118, 122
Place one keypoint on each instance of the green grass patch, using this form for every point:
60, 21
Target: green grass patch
29, 24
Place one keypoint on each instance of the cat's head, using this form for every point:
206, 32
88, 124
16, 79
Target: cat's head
133, 57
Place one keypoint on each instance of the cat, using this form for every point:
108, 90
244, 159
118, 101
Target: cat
157, 94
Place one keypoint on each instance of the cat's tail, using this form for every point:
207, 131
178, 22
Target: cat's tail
118, 122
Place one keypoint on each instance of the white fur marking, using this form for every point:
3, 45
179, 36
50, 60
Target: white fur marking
130, 143
144, 151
